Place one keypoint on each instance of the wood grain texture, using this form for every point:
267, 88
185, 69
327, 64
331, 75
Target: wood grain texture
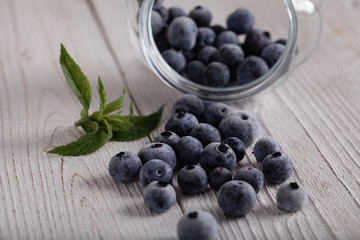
315, 116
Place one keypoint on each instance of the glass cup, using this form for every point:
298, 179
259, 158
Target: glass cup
298, 21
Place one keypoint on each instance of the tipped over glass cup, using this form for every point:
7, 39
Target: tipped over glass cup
297, 21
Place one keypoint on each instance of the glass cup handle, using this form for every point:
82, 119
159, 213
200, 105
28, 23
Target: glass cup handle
309, 28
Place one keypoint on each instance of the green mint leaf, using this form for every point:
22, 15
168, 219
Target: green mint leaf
84, 145
102, 95
118, 123
137, 127
115, 105
90, 126
75, 78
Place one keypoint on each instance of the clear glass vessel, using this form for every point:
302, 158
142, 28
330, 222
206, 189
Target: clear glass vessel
298, 21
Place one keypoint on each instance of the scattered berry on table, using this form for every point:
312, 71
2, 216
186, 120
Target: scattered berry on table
206, 134
175, 12
272, 53
236, 198
175, 59
250, 69
156, 22
155, 170
241, 125
277, 168
124, 167
167, 137
208, 54
181, 123
201, 16
252, 176
216, 74
215, 112
231, 55
265, 146
217, 154
217, 29
205, 37
241, 21
188, 103
237, 146
188, 151
198, 225
194, 70
160, 151
226, 37
192, 180
159, 196
218, 177
182, 33
291, 197
256, 41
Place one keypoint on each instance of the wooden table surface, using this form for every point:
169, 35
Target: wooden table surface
315, 116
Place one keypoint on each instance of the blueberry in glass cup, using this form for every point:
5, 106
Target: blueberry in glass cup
291, 27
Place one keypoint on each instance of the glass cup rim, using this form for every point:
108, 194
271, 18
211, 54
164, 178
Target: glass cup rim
180, 83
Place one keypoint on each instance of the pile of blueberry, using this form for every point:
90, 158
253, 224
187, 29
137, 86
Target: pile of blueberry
212, 55
204, 143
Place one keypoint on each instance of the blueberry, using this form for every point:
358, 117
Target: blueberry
216, 74
189, 54
206, 36
161, 40
217, 155
282, 41
188, 151
241, 125
256, 41
194, 70
164, 13
208, 54
265, 146
124, 167
241, 21
175, 12
155, 170
175, 59
206, 133
192, 180
198, 225
218, 177
227, 37
182, 33
159, 196
231, 55
272, 53
188, 103
291, 197
167, 137
201, 15
160, 151
236, 198
156, 22
277, 168
218, 29
250, 69
181, 123
215, 112
252, 176
237, 146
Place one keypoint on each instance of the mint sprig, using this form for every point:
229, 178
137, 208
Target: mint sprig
101, 126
